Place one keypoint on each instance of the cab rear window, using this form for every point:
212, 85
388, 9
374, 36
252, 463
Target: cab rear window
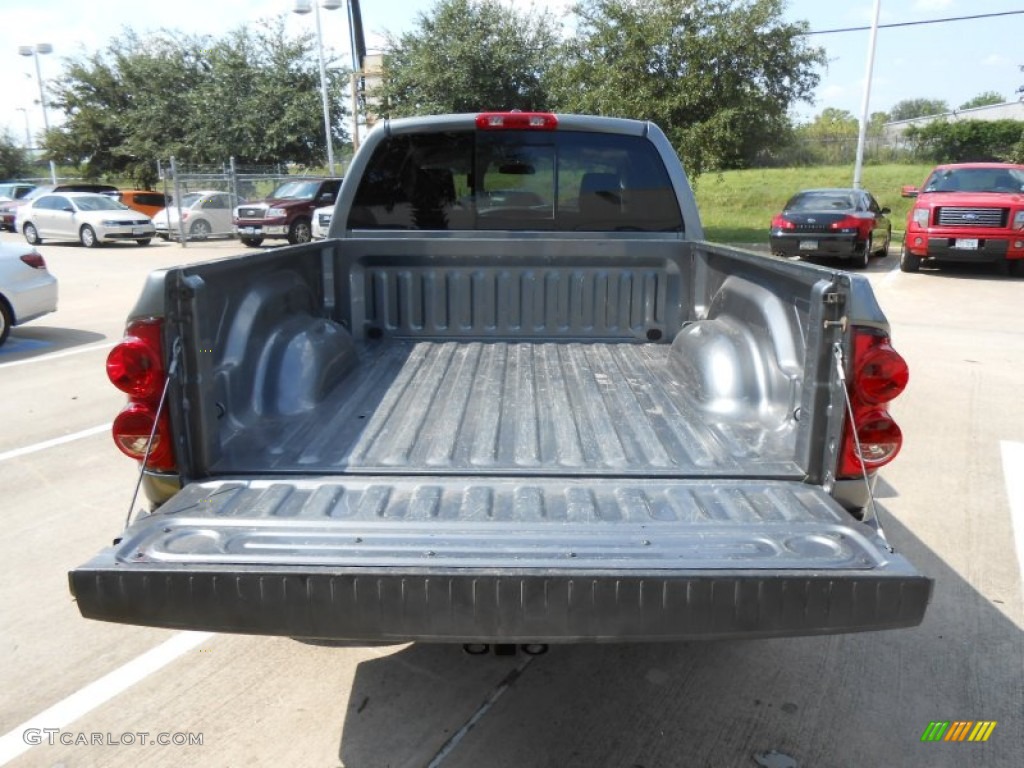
516, 180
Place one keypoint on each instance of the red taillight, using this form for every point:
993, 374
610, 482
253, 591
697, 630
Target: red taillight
34, 260
781, 222
847, 222
132, 429
508, 121
880, 440
880, 374
135, 366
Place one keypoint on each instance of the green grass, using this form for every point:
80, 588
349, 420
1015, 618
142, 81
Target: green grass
737, 206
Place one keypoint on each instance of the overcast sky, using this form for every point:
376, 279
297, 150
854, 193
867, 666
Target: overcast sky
953, 61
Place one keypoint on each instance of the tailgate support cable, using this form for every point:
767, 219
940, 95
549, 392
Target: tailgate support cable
871, 510
159, 410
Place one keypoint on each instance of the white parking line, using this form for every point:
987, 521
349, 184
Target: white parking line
15, 453
1013, 475
77, 705
58, 355
891, 275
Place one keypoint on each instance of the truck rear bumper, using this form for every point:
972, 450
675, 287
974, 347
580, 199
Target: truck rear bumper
399, 605
379, 560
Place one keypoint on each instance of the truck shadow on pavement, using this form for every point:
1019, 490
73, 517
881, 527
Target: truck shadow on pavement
848, 700
27, 342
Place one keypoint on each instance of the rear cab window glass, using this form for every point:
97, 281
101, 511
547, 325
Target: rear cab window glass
516, 180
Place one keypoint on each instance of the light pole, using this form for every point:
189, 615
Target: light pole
862, 134
28, 131
34, 51
302, 7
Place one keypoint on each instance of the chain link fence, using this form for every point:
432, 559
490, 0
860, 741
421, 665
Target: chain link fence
839, 150
204, 197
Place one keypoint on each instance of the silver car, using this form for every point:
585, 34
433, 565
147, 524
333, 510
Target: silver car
84, 216
27, 289
206, 213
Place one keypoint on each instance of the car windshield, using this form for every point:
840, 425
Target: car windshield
99, 203
821, 201
296, 190
997, 180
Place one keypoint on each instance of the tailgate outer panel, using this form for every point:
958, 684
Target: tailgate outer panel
515, 560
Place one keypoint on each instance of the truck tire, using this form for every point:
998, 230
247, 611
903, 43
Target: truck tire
301, 231
908, 261
252, 242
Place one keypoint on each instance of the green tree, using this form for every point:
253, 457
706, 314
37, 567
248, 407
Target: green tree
253, 95
985, 99
966, 140
830, 138
718, 76
14, 161
467, 56
908, 109
1016, 153
876, 123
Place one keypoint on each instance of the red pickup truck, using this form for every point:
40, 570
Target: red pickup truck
287, 213
967, 212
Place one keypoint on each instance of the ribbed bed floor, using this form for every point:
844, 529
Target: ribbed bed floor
509, 409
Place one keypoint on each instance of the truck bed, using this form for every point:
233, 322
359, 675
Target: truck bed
498, 408
583, 440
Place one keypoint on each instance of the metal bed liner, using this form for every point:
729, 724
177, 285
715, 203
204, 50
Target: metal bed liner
504, 408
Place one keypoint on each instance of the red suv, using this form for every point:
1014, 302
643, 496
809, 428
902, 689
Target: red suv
967, 212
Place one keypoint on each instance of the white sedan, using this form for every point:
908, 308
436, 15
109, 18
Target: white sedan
206, 213
27, 289
84, 216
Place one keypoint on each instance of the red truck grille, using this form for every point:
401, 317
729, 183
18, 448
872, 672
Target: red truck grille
972, 217
250, 213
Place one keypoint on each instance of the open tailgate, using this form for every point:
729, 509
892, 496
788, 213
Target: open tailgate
380, 559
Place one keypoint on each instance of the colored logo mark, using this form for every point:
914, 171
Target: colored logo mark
958, 730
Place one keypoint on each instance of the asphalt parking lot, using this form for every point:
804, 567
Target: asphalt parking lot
81, 693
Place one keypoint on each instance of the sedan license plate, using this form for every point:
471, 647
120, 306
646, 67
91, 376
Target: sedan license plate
138, 231
967, 244
808, 245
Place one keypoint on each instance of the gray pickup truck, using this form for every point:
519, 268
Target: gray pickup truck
514, 397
